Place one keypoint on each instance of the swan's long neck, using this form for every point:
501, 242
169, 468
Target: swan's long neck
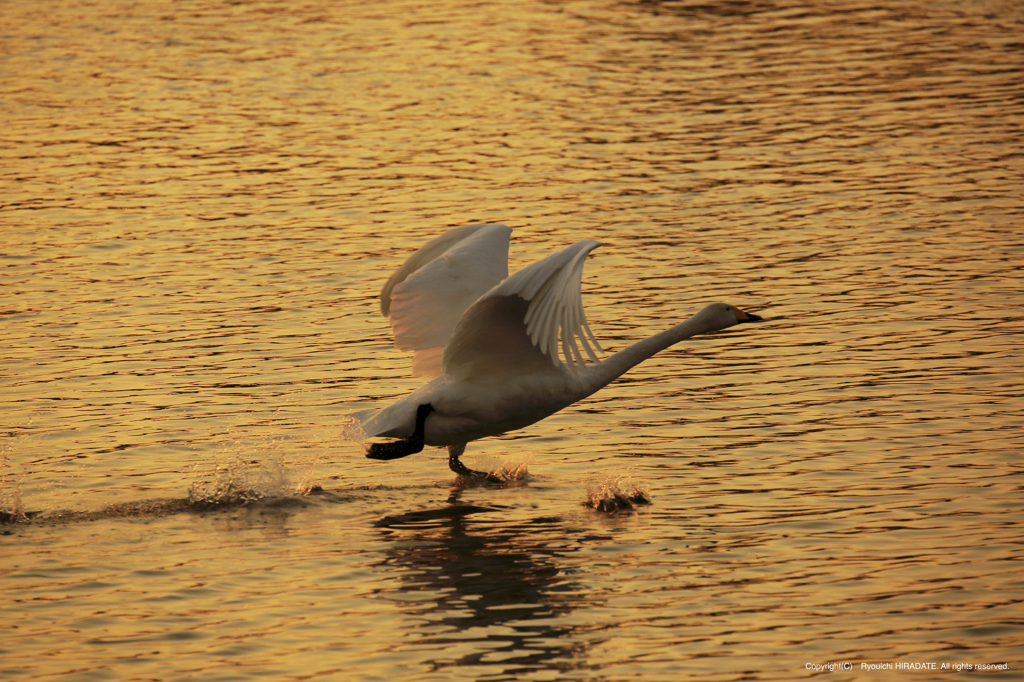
617, 364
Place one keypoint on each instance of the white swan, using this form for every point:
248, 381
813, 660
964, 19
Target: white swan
492, 342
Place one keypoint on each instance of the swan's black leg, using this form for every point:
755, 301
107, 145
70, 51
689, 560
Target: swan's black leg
454, 452
406, 446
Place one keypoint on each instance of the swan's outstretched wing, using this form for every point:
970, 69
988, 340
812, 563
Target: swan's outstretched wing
517, 326
427, 296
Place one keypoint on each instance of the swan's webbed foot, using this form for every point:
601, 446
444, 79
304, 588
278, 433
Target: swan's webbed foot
395, 449
406, 446
463, 470
454, 452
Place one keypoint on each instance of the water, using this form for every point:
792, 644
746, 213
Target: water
200, 202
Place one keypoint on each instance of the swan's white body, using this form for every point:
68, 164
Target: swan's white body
492, 341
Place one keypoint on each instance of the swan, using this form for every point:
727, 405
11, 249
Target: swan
490, 343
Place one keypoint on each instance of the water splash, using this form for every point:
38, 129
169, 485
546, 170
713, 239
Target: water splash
510, 470
615, 493
352, 428
12, 508
241, 480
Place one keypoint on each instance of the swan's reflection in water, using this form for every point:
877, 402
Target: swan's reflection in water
495, 592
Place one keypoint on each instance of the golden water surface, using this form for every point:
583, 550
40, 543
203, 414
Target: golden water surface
200, 200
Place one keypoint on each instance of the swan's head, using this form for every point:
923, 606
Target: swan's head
722, 315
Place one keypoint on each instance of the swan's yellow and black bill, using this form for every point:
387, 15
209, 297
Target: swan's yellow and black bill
746, 317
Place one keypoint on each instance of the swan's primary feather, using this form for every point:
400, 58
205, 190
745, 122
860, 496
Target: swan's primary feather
428, 295
516, 326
